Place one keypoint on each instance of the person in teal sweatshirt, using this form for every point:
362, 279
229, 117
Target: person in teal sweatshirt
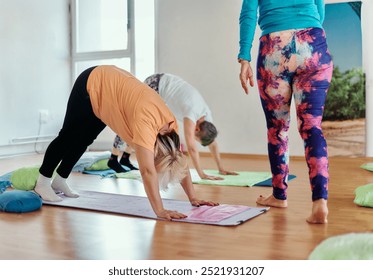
293, 61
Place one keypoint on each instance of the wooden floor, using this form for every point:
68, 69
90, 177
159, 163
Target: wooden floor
280, 234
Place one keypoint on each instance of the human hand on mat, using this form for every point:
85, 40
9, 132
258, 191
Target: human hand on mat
210, 177
225, 172
197, 203
170, 214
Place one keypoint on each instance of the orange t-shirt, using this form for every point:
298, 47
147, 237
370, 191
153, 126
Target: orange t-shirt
129, 107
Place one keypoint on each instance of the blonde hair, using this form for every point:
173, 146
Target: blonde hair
169, 161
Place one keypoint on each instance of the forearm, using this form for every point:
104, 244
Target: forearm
151, 186
216, 155
194, 154
247, 20
188, 187
149, 177
189, 133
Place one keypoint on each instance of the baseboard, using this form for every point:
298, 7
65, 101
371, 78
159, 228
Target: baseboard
13, 150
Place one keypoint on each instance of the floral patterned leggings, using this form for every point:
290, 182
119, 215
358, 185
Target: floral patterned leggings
295, 63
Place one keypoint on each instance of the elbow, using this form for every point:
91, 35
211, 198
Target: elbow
147, 172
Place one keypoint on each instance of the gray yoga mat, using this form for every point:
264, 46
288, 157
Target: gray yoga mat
139, 206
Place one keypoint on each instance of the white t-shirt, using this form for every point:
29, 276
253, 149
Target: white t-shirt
183, 99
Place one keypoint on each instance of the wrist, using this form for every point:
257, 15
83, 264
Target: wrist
159, 212
191, 200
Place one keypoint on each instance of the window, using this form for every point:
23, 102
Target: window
103, 32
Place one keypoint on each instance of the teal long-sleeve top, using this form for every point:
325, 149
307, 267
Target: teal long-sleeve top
276, 15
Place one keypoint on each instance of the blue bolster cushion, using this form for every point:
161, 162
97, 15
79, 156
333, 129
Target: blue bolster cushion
18, 201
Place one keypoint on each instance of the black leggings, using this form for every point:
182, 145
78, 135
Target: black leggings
80, 128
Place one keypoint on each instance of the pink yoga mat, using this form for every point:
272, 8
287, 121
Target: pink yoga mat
222, 215
215, 214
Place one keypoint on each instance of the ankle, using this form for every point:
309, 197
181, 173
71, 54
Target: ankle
43, 181
321, 202
115, 165
59, 184
113, 157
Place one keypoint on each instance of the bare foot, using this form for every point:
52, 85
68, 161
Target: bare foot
271, 201
319, 212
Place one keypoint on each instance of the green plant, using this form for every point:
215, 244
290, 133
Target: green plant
346, 95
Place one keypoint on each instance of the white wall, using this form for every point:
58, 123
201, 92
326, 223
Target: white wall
144, 51
198, 40
34, 69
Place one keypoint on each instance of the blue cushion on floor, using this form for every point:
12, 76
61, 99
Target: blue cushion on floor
19, 201
4, 185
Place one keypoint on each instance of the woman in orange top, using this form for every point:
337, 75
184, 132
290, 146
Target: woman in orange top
107, 95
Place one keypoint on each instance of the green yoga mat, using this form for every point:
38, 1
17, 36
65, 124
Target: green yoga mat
133, 174
243, 179
367, 166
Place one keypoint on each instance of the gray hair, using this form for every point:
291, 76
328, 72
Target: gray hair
207, 133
